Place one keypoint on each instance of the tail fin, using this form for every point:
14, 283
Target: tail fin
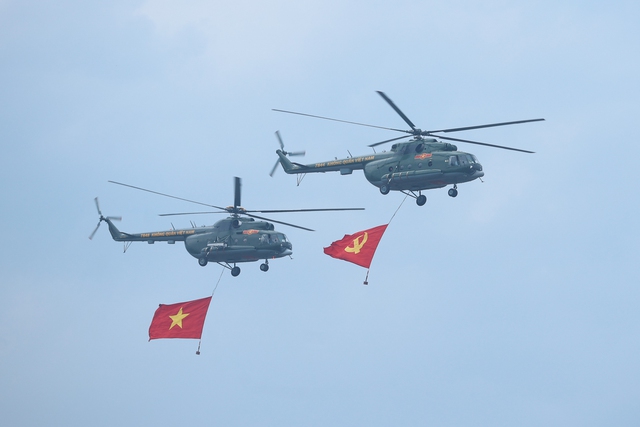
287, 165
282, 158
116, 234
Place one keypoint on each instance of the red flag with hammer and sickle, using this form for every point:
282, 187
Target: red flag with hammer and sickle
357, 248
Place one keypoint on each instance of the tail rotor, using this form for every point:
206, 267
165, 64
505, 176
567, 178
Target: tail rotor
102, 218
289, 153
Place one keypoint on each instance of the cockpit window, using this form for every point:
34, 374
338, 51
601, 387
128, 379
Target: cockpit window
470, 158
453, 161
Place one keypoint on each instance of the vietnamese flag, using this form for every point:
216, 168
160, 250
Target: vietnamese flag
359, 247
181, 320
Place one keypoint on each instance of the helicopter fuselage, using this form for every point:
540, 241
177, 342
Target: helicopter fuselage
231, 240
419, 164
422, 163
241, 237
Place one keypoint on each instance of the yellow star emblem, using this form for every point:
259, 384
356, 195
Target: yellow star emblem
177, 318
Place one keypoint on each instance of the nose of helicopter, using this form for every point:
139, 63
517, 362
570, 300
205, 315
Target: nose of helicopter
286, 249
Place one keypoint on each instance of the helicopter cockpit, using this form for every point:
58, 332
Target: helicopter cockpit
274, 239
465, 159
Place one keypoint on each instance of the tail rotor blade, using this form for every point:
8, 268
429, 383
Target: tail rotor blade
102, 218
280, 140
274, 168
94, 231
286, 153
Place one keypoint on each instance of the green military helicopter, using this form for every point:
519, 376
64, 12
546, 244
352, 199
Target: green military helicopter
422, 163
236, 239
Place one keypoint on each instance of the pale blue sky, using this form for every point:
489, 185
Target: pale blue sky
513, 304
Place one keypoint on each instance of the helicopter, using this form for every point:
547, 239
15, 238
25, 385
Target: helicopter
422, 163
235, 239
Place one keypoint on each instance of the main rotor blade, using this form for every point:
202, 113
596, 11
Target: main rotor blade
192, 213
338, 120
246, 212
484, 143
280, 222
397, 110
306, 210
429, 132
166, 195
389, 140
237, 188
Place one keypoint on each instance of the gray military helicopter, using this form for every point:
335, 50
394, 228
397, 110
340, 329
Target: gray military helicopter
422, 163
236, 239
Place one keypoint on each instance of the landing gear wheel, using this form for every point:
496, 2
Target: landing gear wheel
264, 267
235, 271
384, 189
453, 192
202, 261
421, 200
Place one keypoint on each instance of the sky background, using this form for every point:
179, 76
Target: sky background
513, 304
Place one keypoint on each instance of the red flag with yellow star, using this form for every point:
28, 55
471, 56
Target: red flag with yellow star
359, 247
181, 320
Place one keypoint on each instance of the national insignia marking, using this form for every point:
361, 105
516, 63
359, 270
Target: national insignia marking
177, 318
357, 244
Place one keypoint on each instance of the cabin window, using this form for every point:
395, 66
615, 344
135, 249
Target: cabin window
430, 163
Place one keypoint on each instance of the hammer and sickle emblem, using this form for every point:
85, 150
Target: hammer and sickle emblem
357, 245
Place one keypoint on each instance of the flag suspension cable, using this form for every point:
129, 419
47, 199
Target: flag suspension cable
213, 292
394, 214
219, 278
366, 279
